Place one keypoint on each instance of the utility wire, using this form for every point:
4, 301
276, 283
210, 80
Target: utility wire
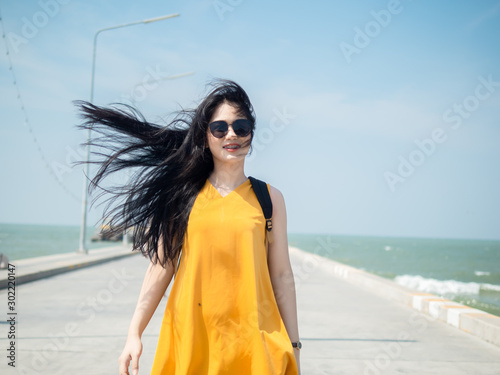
26, 118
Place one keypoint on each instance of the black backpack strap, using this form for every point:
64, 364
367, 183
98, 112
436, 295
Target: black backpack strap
260, 189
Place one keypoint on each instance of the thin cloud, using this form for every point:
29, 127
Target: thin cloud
483, 17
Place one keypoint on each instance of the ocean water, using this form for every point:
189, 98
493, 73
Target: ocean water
465, 271
21, 241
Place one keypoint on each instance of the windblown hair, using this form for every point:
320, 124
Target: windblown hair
170, 163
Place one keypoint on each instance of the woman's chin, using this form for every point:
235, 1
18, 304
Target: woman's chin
232, 157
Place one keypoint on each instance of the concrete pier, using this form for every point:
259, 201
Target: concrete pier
350, 322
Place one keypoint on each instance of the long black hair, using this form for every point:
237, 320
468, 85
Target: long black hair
171, 164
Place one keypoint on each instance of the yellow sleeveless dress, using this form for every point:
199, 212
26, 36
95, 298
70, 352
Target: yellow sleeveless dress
221, 316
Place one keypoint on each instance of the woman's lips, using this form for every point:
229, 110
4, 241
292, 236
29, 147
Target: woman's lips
232, 147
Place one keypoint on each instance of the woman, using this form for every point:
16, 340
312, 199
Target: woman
232, 307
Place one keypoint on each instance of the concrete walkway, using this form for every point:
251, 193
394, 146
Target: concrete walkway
76, 323
41, 267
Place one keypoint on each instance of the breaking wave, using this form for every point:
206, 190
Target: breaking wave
444, 287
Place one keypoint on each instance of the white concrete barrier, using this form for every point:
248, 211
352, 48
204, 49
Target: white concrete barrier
476, 322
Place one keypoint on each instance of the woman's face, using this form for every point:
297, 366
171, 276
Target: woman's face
231, 147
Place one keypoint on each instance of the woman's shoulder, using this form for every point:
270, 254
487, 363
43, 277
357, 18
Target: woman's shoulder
276, 196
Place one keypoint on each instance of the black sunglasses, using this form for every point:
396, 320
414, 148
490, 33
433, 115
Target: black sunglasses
241, 127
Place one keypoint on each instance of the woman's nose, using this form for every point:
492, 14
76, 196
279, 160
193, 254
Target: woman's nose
230, 132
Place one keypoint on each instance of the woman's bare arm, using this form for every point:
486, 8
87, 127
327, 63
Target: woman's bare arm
281, 272
154, 286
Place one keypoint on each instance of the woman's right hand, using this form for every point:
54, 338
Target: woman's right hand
154, 286
130, 356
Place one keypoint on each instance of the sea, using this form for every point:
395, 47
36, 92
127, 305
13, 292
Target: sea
462, 270
465, 271
21, 241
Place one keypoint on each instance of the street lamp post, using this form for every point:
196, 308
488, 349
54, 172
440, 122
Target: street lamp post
83, 229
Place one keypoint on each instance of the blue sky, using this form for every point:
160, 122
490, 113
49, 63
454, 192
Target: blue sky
373, 117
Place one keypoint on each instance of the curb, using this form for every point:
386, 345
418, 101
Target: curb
479, 323
32, 269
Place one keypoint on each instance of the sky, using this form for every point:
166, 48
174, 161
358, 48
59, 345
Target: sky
376, 118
